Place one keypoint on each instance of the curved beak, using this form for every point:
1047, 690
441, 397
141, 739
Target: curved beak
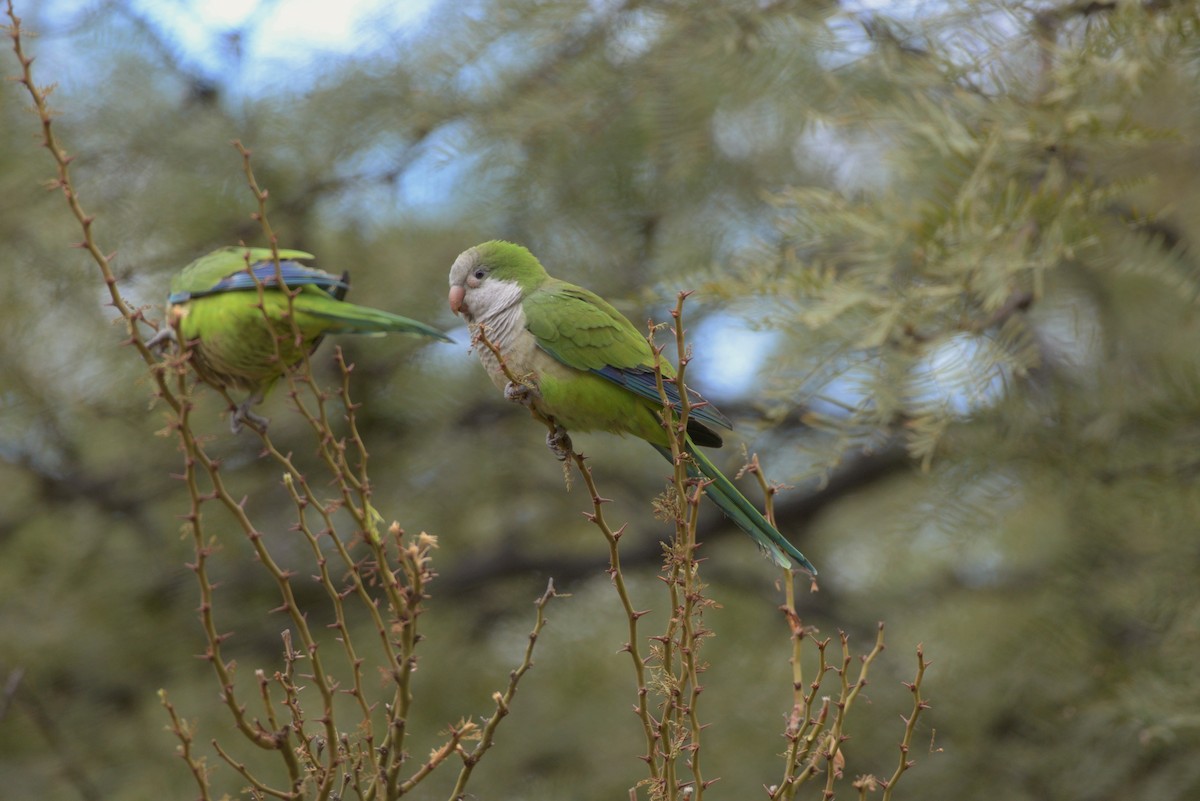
457, 294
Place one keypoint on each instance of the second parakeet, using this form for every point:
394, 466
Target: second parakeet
214, 310
589, 369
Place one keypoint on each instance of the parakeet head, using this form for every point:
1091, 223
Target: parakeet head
489, 278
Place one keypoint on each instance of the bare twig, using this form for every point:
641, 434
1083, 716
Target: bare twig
504, 700
910, 724
612, 537
183, 732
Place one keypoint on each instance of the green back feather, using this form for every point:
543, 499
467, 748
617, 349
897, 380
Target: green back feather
235, 346
208, 270
582, 330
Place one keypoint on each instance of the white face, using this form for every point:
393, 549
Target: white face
475, 294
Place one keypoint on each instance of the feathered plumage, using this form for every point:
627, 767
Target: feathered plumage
214, 309
590, 368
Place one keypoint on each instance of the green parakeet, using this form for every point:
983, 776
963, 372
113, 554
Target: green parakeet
213, 308
589, 368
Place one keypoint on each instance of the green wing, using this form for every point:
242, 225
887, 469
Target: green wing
582, 330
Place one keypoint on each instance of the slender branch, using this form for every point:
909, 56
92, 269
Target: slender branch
910, 724
317, 765
504, 701
260, 786
612, 537
439, 755
131, 315
183, 732
685, 629
800, 718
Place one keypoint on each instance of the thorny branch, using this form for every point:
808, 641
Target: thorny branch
612, 537
318, 759
322, 761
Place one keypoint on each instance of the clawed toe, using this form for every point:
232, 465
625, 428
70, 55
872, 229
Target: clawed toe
519, 393
559, 443
243, 415
160, 340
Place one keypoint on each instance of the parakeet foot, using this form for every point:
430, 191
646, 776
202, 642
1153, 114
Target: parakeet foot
559, 443
159, 340
520, 393
243, 415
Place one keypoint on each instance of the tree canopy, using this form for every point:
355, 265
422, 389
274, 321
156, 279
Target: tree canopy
943, 284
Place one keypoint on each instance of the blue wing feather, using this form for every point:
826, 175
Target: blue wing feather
640, 381
294, 275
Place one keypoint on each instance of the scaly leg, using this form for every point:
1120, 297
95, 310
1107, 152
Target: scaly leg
242, 415
557, 440
159, 340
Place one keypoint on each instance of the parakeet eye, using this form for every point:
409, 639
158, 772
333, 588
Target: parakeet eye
480, 273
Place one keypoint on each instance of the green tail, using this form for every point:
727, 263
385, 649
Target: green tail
725, 495
350, 318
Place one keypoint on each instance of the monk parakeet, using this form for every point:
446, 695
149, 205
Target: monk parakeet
213, 308
589, 368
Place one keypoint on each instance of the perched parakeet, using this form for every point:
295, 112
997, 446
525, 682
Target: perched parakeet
589, 368
213, 307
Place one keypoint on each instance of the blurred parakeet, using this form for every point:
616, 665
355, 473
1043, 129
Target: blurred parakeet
213, 308
589, 368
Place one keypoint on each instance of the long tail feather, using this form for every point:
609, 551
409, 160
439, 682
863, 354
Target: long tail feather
725, 495
354, 319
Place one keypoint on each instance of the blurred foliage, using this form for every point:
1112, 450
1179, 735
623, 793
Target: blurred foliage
963, 232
